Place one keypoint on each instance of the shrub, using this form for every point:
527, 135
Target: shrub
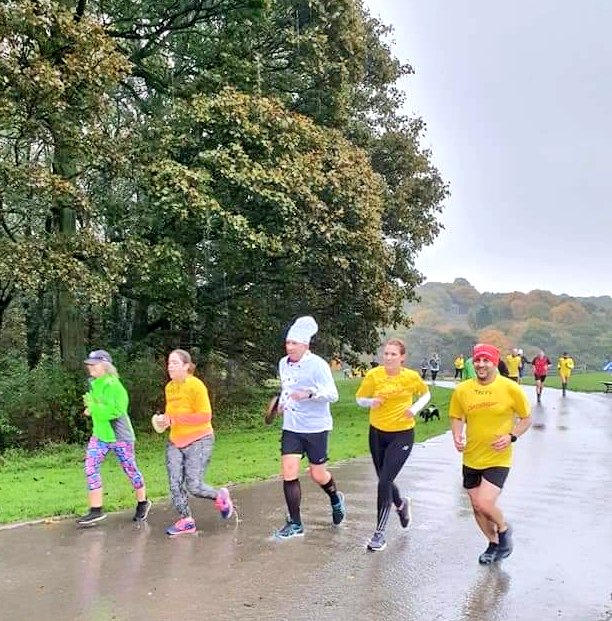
40, 405
144, 378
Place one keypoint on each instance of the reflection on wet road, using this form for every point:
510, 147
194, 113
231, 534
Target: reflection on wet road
558, 497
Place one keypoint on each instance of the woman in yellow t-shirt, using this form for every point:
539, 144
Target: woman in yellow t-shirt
389, 392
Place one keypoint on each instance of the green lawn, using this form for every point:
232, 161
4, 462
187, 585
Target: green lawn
51, 482
581, 382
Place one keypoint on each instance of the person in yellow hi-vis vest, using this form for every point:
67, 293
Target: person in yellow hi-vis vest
459, 364
565, 365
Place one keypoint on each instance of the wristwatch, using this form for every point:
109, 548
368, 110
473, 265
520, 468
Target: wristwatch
513, 438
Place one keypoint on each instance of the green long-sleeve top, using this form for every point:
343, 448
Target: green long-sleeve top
107, 402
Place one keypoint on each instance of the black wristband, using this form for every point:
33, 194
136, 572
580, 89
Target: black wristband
513, 438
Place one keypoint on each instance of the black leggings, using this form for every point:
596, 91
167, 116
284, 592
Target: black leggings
390, 450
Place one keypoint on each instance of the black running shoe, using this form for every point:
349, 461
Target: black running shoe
505, 547
405, 513
489, 555
93, 517
142, 510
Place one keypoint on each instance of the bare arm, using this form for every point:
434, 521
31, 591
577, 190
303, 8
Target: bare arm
457, 426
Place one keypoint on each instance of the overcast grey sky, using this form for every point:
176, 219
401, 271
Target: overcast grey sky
517, 97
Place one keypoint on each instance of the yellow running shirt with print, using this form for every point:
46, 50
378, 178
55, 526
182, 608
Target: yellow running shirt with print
489, 411
398, 393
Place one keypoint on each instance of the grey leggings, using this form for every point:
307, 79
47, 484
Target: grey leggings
186, 469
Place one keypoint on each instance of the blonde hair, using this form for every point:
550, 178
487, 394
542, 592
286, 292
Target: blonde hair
109, 368
185, 357
397, 343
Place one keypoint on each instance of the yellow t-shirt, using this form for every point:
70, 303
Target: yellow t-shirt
513, 363
188, 406
565, 366
398, 393
488, 411
459, 363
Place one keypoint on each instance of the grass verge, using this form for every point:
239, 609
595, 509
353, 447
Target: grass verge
580, 382
51, 482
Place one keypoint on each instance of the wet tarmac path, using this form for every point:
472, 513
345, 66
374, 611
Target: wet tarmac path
558, 497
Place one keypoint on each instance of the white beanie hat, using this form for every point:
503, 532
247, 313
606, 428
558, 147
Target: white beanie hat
303, 329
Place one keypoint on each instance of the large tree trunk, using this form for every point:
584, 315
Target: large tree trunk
4, 304
69, 318
34, 321
140, 323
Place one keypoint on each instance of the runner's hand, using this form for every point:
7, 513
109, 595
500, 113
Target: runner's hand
409, 413
300, 395
502, 442
377, 402
459, 443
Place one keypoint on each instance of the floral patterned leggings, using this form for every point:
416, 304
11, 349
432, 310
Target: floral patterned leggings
97, 452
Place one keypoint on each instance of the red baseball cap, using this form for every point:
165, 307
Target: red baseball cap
484, 350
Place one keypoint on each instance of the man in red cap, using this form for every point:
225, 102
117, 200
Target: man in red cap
494, 412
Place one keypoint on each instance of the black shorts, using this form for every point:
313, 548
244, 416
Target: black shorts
473, 478
313, 445
540, 378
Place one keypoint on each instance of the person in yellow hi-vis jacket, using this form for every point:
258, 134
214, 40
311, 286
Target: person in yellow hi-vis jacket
459, 364
565, 365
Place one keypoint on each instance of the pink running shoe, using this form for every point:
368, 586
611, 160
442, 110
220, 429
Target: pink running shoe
224, 503
184, 526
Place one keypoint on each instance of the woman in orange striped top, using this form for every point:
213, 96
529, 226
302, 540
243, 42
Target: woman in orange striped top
189, 449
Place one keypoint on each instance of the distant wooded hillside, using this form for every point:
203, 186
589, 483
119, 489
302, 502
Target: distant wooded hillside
451, 317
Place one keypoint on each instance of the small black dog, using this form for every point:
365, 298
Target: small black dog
429, 413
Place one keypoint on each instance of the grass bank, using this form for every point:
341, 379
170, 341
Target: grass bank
580, 382
50, 482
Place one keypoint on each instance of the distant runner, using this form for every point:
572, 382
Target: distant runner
468, 369
565, 365
424, 368
434, 367
513, 362
524, 361
540, 370
459, 364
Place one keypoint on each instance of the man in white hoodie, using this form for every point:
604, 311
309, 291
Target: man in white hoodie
307, 389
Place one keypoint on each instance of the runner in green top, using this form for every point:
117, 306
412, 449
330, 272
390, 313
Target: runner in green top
106, 403
468, 369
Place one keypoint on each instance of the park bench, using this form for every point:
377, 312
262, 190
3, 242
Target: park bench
607, 386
